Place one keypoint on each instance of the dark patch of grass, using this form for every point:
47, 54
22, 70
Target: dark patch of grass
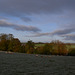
52, 60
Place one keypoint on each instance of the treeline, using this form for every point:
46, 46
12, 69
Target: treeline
9, 43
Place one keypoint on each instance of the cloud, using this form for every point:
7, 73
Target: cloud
3, 18
3, 23
69, 37
23, 9
59, 32
64, 31
26, 19
39, 35
20, 7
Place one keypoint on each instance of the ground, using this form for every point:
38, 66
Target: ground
31, 64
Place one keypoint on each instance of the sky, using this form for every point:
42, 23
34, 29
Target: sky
38, 20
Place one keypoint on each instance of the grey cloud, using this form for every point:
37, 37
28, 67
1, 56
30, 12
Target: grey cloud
18, 27
69, 37
3, 18
26, 19
20, 7
39, 35
64, 31
58, 32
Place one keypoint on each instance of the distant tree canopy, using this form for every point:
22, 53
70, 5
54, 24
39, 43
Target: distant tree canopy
14, 45
4, 41
9, 43
29, 47
53, 48
58, 48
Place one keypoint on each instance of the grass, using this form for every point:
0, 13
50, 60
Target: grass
68, 46
52, 60
39, 45
29, 64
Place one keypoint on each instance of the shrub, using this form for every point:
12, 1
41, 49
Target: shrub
72, 52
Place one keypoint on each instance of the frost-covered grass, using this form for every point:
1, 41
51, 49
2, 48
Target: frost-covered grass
29, 64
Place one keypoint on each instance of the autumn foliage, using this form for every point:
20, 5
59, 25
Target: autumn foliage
9, 43
53, 48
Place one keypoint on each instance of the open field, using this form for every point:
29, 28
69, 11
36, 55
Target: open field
31, 64
39, 45
68, 46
